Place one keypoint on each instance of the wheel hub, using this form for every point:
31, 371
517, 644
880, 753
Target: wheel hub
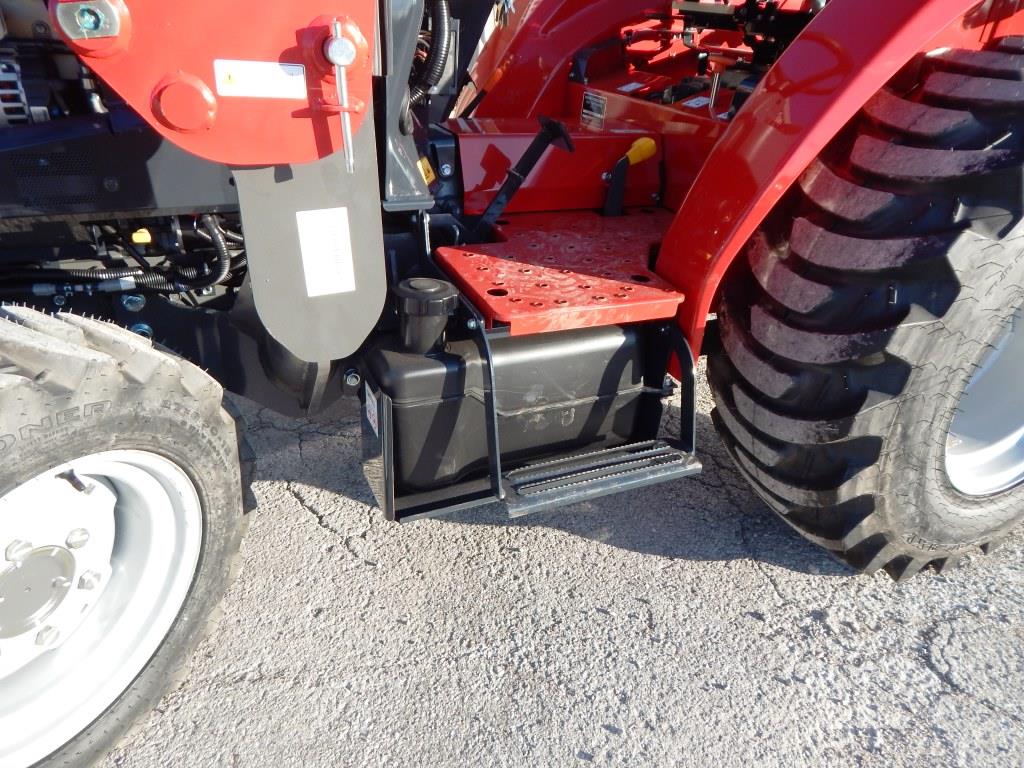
56, 539
31, 590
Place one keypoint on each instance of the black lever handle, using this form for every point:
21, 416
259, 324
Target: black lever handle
552, 133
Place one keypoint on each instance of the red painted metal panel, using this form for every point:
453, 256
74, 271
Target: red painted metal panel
163, 64
817, 86
524, 67
559, 271
561, 180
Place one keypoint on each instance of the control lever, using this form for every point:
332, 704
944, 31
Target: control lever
642, 149
341, 52
552, 133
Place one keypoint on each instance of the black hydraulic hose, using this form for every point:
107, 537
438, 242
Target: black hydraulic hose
136, 278
194, 277
153, 281
440, 47
73, 274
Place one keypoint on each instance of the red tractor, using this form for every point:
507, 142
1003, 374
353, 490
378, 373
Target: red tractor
506, 230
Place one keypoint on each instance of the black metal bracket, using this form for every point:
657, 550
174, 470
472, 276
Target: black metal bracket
478, 326
688, 378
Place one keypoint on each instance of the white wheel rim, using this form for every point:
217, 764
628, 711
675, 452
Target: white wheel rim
985, 444
69, 650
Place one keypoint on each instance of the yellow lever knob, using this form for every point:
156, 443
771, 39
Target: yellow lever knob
642, 149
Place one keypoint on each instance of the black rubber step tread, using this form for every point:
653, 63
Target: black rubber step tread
597, 470
902, 163
782, 283
842, 198
580, 477
832, 250
922, 121
977, 93
999, 64
1012, 44
561, 467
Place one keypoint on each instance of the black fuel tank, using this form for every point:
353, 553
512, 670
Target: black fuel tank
555, 392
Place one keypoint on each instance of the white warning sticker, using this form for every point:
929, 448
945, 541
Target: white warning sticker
326, 246
630, 87
260, 79
594, 108
697, 102
371, 410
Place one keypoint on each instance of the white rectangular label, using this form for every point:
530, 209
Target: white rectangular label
697, 102
260, 79
630, 87
371, 410
326, 247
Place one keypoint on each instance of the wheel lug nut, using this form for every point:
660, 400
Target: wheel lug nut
18, 550
60, 582
77, 538
89, 580
47, 636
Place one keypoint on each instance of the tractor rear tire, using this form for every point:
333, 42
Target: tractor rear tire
870, 382
121, 514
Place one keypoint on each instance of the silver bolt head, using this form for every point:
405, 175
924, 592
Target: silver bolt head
353, 379
89, 580
77, 539
143, 330
447, 171
59, 301
47, 636
18, 550
133, 302
61, 582
472, 325
340, 51
89, 19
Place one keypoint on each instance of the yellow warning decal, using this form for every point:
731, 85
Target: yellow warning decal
427, 171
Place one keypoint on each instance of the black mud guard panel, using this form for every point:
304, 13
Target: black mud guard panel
315, 246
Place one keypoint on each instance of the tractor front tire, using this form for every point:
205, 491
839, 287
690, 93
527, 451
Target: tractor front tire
871, 379
121, 514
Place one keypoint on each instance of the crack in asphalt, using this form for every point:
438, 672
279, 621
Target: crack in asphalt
930, 637
322, 521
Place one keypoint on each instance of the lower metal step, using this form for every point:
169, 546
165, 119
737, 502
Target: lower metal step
581, 477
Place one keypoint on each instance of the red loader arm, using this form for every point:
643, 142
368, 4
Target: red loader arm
236, 82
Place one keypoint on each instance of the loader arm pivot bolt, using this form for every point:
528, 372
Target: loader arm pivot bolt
341, 53
89, 19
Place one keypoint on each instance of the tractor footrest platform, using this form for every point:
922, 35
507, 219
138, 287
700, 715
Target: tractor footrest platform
586, 476
566, 270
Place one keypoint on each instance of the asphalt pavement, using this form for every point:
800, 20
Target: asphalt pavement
681, 625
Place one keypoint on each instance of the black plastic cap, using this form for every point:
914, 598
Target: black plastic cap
426, 297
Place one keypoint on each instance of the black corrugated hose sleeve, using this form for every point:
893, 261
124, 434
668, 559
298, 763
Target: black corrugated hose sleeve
440, 45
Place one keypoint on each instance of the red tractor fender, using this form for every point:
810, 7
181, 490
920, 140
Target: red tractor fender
845, 56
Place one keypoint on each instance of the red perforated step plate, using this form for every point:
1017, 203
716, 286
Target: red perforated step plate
559, 271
